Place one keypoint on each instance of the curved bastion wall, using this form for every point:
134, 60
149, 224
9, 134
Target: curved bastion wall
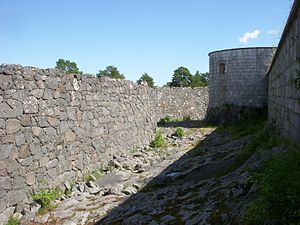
56, 127
238, 85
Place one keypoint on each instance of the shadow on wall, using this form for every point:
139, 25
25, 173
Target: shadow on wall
187, 190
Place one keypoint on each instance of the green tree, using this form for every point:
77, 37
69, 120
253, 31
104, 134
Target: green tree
67, 66
200, 79
147, 78
112, 72
181, 78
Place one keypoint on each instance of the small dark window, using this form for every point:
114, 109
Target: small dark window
222, 68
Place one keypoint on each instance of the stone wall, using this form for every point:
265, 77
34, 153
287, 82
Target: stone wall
284, 96
55, 127
237, 82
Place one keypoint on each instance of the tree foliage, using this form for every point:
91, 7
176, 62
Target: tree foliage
146, 78
200, 79
183, 78
67, 66
112, 72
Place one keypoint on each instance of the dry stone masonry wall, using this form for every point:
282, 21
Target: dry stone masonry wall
284, 80
237, 82
55, 127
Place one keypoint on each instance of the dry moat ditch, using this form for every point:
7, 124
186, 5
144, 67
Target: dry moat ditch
207, 176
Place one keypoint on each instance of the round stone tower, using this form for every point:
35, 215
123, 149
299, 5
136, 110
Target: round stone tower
238, 86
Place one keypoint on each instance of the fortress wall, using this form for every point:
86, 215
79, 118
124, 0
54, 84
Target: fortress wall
56, 127
284, 95
237, 82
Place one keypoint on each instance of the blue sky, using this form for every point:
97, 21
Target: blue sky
137, 36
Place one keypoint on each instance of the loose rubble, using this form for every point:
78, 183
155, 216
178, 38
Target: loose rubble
184, 183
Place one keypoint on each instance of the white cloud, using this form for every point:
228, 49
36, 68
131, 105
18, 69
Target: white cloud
275, 33
249, 36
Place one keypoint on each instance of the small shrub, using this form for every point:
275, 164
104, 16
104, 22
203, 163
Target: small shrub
158, 141
44, 197
179, 132
166, 120
12, 221
186, 118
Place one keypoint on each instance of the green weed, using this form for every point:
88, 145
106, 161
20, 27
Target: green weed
169, 119
158, 141
45, 196
186, 118
179, 132
12, 221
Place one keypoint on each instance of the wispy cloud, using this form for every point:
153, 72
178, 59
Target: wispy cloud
275, 33
249, 36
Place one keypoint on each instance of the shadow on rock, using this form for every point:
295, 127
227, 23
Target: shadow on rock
207, 185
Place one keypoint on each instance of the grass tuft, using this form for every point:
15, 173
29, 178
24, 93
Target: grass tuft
12, 221
45, 196
158, 141
179, 132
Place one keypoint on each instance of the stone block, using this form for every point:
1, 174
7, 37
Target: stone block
16, 196
30, 178
20, 139
24, 151
70, 136
18, 182
5, 151
5, 82
53, 121
3, 168
12, 126
34, 148
5, 183
37, 131
30, 105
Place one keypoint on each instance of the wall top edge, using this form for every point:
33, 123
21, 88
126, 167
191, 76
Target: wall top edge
238, 49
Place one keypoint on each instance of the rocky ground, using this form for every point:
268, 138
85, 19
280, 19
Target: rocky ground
197, 179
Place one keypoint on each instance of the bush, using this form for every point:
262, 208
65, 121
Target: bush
279, 191
166, 120
158, 141
169, 119
179, 132
44, 197
186, 118
12, 221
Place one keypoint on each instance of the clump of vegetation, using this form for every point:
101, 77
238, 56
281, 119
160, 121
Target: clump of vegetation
186, 118
169, 119
179, 132
158, 141
261, 139
12, 221
166, 120
67, 66
112, 72
244, 128
45, 196
182, 77
278, 180
279, 191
